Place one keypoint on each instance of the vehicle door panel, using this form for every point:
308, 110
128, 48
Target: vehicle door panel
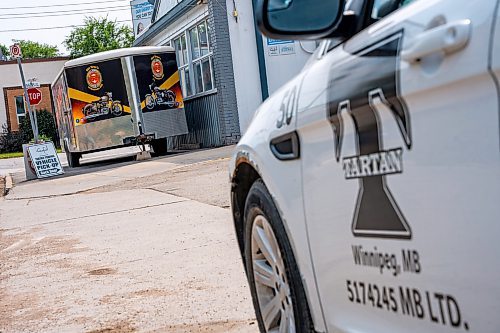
400, 171
495, 55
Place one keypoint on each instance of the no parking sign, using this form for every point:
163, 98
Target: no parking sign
15, 51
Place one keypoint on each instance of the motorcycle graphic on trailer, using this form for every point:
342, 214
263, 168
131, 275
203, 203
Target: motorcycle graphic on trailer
160, 97
103, 106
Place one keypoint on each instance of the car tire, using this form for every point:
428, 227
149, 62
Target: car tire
273, 285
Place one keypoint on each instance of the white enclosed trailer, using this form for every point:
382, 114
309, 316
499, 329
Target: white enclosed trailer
119, 98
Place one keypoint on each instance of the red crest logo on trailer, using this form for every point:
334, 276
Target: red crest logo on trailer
157, 67
94, 78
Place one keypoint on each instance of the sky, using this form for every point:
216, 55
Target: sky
32, 17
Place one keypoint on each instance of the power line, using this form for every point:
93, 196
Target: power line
65, 11
49, 28
67, 14
62, 5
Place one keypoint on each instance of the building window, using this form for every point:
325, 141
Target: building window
183, 64
20, 109
194, 57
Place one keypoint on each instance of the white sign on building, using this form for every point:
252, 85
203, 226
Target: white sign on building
142, 12
276, 47
32, 83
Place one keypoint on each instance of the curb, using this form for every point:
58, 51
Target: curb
2, 186
6, 184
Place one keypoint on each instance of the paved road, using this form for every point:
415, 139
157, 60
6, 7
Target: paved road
124, 247
16, 165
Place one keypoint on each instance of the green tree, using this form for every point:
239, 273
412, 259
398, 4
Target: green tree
97, 35
4, 50
32, 49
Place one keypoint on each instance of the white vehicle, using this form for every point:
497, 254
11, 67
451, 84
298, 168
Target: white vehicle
366, 192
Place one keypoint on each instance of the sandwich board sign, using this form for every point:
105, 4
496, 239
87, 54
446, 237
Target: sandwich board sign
45, 160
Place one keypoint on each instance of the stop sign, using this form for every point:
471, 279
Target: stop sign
35, 96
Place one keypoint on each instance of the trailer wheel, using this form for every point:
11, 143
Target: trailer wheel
159, 147
73, 158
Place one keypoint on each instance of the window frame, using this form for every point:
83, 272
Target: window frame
185, 86
20, 115
194, 59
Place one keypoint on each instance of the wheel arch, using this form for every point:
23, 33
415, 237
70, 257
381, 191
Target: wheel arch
244, 176
242, 180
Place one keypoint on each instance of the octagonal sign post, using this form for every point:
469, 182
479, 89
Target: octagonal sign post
35, 96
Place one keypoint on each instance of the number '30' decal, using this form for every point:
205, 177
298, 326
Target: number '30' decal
287, 108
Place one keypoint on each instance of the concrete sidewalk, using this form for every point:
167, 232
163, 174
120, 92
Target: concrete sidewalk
108, 251
6, 184
16, 165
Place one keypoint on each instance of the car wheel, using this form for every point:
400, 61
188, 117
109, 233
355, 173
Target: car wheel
275, 283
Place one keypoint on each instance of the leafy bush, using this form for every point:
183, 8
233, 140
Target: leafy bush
11, 142
46, 127
41, 137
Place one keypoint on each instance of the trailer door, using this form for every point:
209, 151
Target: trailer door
160, 94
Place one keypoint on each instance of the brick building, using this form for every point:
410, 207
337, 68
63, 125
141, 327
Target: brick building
12, 106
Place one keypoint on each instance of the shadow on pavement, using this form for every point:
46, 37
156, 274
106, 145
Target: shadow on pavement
104, 164
97, 164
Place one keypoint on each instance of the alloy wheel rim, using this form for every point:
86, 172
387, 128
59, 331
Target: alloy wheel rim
271, 283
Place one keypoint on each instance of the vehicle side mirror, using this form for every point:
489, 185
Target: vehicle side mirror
299, 19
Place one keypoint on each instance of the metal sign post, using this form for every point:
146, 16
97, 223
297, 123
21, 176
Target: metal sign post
32, 116
15, 51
